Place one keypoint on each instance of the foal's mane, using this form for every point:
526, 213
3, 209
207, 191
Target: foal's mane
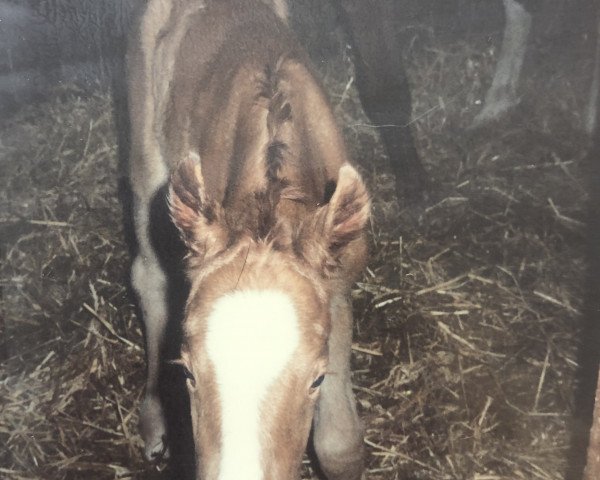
277, 153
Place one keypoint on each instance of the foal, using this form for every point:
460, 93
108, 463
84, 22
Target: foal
224, 103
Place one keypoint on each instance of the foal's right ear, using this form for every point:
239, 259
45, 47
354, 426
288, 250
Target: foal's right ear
197, 218
326, 240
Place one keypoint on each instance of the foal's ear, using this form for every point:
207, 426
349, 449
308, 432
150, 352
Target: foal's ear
339, 223
197, 218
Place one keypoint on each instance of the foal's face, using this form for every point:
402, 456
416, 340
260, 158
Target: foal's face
257, 321
254, 360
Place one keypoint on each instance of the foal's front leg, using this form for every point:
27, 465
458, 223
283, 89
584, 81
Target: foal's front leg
338, 436
150, 283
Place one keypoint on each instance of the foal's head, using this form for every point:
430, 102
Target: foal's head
257, 323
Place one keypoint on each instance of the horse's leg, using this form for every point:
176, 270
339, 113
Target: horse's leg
280, 7
150, 283
502, 95
149, 280
383, 87
337, 431
148, 173
591, 111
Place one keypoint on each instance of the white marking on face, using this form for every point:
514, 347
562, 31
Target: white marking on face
251, 336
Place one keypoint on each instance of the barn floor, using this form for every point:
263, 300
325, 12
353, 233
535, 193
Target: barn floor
468, 319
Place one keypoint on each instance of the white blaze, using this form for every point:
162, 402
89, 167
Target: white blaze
251, 336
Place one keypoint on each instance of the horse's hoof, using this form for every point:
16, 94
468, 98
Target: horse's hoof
153, 429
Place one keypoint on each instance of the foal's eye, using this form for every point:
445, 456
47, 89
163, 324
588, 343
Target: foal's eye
189, 376
317, 383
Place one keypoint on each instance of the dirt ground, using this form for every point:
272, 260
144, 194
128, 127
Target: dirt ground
469, 318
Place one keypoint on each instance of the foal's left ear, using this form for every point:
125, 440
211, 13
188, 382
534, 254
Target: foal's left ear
338, 223
198, 219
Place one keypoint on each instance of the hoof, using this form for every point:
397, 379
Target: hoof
493, 111
153, 429
157, 451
